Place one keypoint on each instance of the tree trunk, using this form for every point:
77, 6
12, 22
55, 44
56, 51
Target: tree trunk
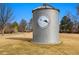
3, 30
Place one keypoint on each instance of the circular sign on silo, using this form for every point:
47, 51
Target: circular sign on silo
43, 21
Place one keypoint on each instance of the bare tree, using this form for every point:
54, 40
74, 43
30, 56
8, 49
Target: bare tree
5, 16
22, 25
77, 21
77, 8
29, 26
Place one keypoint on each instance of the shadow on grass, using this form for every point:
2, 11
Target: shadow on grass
20, 38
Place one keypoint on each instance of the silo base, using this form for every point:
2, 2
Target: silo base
56, 43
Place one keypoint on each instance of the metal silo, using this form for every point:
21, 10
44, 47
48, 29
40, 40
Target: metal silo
45, 25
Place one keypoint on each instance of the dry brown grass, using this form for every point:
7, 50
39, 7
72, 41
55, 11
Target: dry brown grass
20, 43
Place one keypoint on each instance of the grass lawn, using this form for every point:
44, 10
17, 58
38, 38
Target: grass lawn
20, 44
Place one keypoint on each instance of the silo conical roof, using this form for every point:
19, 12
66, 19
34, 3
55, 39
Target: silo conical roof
45, 6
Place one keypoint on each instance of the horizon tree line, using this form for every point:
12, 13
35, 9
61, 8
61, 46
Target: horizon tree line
6, 18
68, 24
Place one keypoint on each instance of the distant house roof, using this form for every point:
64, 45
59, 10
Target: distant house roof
45, 6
